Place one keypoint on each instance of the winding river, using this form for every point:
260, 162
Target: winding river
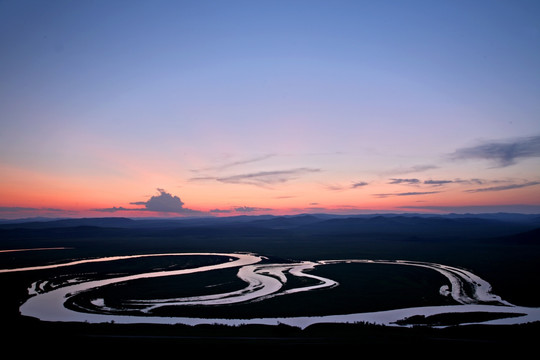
263, 280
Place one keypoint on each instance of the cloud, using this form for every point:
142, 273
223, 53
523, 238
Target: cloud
413, 193
343, 210
114, 209
162, 203
504, 187
22, 209
404, 181
334, 187
437, 182
249, 209
502, 153
513, 208
359, 184
14, 212
202, 178
340, 187
165, 202
236, 163
470, 181
241, 209
220, 211
411, 169
265, 178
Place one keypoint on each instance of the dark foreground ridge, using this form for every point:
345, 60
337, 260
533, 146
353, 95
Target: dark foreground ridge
215, 339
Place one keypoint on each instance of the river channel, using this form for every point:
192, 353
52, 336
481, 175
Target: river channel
263, 280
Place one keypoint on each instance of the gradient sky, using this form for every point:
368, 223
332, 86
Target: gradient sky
174, 108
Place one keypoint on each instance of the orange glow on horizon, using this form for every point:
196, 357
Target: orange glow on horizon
43, 193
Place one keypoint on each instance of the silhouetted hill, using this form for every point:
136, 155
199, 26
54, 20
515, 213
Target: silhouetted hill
531, 237
63, 223
129, 223
409, 226
284, 222
438, 227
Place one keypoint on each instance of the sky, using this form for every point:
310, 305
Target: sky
219, 108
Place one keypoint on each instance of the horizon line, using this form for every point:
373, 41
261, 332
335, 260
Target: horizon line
209, 216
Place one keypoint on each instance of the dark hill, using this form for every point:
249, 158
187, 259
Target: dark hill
416, 226
285, 222
65, 223
404, 226
531, 237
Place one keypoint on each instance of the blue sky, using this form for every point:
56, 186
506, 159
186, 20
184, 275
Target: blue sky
103, 102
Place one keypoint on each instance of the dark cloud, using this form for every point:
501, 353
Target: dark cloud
417, 193
165, 202
504, 187
503, 153
250, 209
202, 178
17, 212
114, 209
22, 209
518, 208
359, 184
340, 187
237, 163
220, 211
437, 182
469, 181
404, 181
412, 193
411, 169
162, 203
265, 178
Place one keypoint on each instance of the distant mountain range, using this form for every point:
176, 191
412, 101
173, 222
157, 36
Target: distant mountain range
420, 225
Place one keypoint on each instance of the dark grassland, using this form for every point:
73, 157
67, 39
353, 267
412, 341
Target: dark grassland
503, 250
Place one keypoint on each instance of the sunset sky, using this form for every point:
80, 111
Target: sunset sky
189, 108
